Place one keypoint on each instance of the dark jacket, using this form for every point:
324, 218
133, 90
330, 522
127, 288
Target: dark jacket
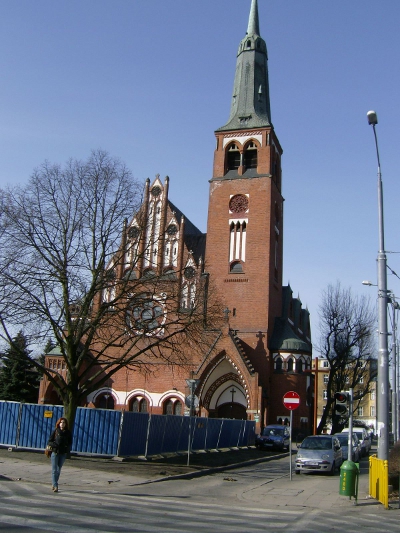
61, 441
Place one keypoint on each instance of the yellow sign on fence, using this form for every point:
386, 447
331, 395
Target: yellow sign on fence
48, 414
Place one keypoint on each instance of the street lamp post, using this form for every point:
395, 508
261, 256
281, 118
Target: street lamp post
383, 354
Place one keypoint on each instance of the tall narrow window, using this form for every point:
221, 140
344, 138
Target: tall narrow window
250, 156
188, 296
233, 157
299, 366
237, 246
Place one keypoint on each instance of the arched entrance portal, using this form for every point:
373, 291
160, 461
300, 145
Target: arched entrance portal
232, 410
225, 396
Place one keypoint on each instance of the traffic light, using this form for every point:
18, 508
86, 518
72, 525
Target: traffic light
342, 404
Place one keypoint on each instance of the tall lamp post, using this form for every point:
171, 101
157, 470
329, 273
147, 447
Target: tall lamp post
383, 353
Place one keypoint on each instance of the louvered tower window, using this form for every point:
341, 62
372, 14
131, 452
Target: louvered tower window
250, 156
233, 157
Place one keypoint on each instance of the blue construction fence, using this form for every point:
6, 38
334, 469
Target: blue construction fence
122, 433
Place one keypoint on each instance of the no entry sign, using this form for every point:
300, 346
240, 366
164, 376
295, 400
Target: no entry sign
291, 400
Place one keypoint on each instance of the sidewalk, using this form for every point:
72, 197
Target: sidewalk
113, 476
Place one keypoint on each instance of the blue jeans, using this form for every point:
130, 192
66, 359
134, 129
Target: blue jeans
57, 460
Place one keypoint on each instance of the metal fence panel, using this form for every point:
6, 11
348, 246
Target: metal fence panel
226, 439
96, 431
156, 434
171, 437
213, 432
249, 434
9, 415
184, 433
107, 432
36, 424
199, 436
133, 433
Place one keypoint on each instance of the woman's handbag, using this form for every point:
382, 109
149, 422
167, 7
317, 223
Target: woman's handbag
48, 451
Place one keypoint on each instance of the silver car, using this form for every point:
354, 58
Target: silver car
343, 438
363, 437
319, 453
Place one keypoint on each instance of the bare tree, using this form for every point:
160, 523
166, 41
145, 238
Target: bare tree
347, 342
63, 275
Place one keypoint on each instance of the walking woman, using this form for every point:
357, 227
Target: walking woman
60, 440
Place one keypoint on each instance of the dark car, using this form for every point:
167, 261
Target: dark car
274, 437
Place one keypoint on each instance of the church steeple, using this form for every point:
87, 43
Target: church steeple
250, 106
253, 27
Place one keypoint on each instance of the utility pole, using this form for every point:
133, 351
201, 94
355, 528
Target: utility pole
383, 352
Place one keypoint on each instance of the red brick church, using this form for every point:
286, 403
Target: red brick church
264, 348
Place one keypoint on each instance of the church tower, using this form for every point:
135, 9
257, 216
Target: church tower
245, 217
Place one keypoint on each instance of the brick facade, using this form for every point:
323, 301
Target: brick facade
264, 347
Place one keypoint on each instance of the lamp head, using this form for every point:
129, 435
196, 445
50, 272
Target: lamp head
372, 118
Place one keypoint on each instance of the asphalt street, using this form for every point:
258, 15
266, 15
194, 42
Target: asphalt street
111, 496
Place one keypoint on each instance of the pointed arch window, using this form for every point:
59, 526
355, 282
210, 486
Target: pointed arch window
278, 364
188, 296
250, 156
233, 157
237, 245
290, 365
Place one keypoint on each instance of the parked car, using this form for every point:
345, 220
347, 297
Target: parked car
363, 437
319, 453
275, 437
343, 438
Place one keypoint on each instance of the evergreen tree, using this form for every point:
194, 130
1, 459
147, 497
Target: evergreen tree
19, 379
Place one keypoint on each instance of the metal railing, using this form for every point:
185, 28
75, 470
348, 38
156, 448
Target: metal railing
379, 480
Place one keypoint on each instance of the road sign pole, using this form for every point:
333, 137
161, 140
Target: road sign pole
192, 384
291, 400
290, 444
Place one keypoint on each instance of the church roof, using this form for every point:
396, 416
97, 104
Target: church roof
292, 327
195, 240
250, 106
285, 339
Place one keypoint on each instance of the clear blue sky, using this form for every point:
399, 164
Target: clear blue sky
150, 80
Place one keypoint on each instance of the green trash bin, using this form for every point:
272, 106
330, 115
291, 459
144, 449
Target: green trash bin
349, 472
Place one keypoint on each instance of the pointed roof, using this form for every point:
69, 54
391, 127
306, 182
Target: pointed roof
253, 27
250, 106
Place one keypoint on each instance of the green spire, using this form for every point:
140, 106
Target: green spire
250, 106
253, 28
